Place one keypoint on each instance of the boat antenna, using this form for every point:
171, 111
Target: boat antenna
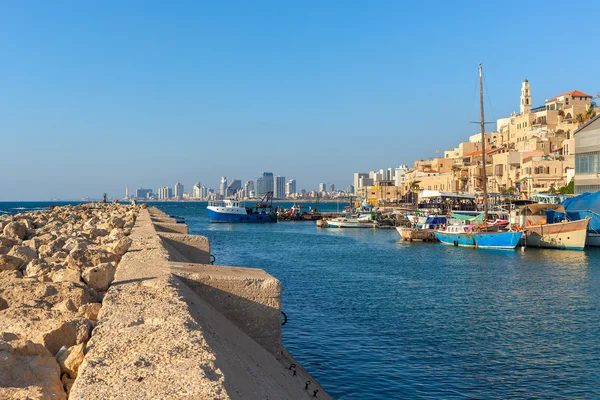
483, 155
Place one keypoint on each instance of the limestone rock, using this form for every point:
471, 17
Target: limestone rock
3, 304
10, 263
65, 275
100, 276
5, 243
122, 246
15, 230
37, 267
24, 252
116, 222
52, 328
70, 359
90, 311
18, 292
28, 371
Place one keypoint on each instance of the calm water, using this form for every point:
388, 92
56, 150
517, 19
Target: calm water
374, 318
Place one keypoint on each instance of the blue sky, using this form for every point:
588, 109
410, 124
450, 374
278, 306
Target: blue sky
98, 94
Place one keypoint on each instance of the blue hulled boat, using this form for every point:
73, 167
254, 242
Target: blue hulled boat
465, 236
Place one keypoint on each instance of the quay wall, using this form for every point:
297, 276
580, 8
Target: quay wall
173, 326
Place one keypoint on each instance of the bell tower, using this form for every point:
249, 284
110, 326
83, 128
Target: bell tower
525, 97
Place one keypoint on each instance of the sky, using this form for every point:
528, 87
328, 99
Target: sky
96, 95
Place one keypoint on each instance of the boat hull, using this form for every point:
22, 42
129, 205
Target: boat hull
350, 224
569, 235
495, 240
416, 234
215, 216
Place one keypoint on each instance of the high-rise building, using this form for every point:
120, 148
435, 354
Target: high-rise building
165, 193
126, 192
350, 189
178, 191
357, 176
197, 191
264, 184
322, 187
249, 188
143, 193
290, 187
399, 175
223, 186
204, 192
331, 188
234, 187
279, 187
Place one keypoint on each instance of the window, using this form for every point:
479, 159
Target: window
587, 163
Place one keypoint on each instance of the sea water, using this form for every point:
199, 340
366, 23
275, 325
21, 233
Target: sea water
372, 317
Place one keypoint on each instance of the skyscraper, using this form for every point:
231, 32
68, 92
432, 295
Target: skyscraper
249, 188
143, 193
223, 186
264, 184
322, 187
234, 187
279, 187
290, 187
126, 192
331, 188
197, 191
178, 191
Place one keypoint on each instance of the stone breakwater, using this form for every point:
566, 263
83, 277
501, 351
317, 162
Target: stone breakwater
55, 268
166, 323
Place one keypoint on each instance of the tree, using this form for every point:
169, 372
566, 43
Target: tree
569, 189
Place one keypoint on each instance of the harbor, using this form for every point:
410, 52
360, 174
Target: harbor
442, 319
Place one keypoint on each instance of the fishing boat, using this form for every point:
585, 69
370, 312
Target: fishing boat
424, 232
586, 205
235, 211
469, 235
364, 221
545, 225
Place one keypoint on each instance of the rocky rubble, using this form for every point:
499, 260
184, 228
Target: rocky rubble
55, 267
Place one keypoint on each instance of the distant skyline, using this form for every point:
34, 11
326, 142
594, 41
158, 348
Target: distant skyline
97, 95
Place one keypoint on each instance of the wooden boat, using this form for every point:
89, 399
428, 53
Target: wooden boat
533, 219
567, 235
424, 232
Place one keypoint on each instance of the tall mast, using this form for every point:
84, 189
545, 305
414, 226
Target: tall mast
483, 160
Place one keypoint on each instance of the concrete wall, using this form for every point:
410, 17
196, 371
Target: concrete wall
178, 329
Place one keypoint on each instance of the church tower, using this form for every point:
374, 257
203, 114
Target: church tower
525, 97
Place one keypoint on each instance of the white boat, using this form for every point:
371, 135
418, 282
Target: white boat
352, 222
424, 231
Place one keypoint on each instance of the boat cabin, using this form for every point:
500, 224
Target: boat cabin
534, 214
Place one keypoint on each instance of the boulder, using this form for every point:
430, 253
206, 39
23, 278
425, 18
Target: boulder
65, 274
116, 222
67, 382
37, 268
15, 230
10, 263
90, 311
51, 328
48, 295
122, 246
24, 252
29, 371
70, 359
100, 276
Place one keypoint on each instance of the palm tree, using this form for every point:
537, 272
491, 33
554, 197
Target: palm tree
414, 187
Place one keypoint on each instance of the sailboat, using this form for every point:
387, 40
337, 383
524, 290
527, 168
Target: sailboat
478, 236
